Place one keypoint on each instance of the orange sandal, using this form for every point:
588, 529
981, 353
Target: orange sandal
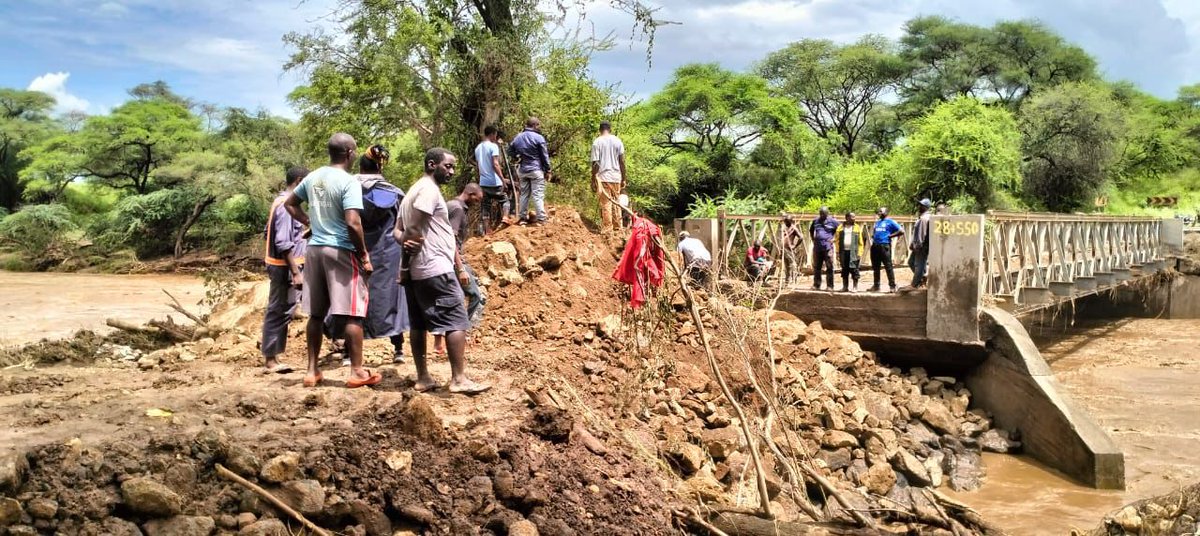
313, 381
373, 379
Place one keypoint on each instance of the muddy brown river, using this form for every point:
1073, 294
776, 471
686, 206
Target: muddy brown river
34, 306
1140, 379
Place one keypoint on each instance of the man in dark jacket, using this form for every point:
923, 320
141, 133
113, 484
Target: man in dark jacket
822, 232
533, 170
850, 241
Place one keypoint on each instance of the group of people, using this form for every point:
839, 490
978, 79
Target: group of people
831, 239
370, 260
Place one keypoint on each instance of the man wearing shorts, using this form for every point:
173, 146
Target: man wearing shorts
491, 179
433, 273
336, 261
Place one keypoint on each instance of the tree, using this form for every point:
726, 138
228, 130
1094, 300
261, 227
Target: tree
1005, 63
964, 148
836, 86
24, 120
441, 68
707, 117
120, 150
1071, 133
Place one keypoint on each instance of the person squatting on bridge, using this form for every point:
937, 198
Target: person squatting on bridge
337, 260
850, 242
758, 261
284, 257
919, 258
429, 266
886, 229
822, 231
697, 260
387, 308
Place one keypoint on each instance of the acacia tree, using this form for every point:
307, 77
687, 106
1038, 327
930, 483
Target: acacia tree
836, 86
1071, 133
1005, 63
120, 150
24, 120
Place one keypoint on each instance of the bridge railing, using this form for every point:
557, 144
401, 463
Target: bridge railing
1030, 258
736, 233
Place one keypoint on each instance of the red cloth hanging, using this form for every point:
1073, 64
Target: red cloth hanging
643, 262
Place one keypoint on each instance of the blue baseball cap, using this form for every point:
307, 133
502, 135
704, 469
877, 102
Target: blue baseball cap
926, 202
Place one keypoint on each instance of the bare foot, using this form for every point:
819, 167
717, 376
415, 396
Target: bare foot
425, 384
468, 387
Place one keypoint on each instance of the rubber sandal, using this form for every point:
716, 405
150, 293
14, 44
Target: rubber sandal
471, 389
313, 381
373, 379
281, 368
419, 389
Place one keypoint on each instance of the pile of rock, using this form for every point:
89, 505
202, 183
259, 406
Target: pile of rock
878, 433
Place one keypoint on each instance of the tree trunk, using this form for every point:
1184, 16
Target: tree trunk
197, 210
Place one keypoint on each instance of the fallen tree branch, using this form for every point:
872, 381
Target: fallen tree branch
126, 326
176, 331
179, 308
230, 475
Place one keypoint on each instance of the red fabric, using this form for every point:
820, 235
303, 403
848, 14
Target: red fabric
643, 262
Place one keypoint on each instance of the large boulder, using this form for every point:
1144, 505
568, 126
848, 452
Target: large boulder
305, 496
151, 498
502, 255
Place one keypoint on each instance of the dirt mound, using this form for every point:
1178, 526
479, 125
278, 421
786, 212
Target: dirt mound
85, 347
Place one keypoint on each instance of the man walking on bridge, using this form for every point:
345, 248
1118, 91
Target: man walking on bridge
337, 261
822, 231
885, 230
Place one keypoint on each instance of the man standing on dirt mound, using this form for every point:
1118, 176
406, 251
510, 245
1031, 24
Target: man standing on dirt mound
284, 257
530, 148
608, 176
433, 273
336, 261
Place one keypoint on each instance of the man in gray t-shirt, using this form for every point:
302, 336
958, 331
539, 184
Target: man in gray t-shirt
432, 270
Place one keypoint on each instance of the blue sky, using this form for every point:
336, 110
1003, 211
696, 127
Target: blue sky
230, 52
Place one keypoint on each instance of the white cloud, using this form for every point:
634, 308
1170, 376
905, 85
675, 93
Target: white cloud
210, 55
55, 85
114, 9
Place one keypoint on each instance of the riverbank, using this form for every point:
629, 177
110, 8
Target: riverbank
1137, 377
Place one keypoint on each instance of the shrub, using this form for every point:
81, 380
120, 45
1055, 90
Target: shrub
40, 233
146, 223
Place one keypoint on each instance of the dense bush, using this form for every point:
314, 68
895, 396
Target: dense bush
40, 233
145, 223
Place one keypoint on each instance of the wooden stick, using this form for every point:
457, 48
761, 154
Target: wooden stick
126, 326
692, 517
179, 307
221, 470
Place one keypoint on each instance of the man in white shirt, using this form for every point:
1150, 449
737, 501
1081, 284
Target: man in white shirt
491, 178
608, 175
696, 258
433, 274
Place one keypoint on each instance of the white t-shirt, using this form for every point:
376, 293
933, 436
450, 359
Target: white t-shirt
848, 239
437, 255
607, 151
693, 250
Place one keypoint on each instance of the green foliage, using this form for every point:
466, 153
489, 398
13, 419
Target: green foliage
731, 203
146, 223
40, 233
864, 186
964, 148
24, 121
836, 86
1071, 134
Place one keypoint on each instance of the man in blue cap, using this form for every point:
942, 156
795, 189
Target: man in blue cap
918, 257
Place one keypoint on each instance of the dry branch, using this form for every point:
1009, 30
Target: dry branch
230, 475
179, 308
126, 326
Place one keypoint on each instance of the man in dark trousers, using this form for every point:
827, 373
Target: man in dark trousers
886, 229
433, 273
284, 258
918, 257
822, 231
850, 241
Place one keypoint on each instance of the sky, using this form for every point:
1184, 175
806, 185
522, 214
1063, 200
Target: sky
87, 53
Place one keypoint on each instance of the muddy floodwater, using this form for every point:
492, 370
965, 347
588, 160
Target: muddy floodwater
1140, 379
34, 306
